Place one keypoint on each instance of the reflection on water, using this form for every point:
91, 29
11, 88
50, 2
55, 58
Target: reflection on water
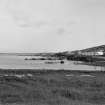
18, 62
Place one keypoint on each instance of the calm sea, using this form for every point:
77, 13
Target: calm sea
18, 62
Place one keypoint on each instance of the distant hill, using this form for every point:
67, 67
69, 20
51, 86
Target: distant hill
65, 53
96, 48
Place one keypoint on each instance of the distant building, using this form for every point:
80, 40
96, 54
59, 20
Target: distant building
91, 53
101, 52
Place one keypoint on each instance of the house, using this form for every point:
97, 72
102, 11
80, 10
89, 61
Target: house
91, 53
101, 52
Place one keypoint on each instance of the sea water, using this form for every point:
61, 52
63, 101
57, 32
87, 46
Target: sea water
19, 62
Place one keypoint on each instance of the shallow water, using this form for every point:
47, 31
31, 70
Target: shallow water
18, 62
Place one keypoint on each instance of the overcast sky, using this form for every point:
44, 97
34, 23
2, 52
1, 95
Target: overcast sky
51, 25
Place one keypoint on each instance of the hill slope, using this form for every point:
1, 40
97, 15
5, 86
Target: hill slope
96, 48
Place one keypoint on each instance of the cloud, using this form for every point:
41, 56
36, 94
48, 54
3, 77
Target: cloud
63, 31
21, 19
26, 16
24, 19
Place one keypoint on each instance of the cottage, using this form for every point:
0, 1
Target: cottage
92, 53
101, 52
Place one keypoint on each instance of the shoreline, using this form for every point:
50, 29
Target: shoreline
49, 71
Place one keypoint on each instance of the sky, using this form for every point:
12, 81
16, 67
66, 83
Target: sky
51, 25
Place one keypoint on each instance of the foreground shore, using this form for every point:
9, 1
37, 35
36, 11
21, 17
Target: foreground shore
52, 87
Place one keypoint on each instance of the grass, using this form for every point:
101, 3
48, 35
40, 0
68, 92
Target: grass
52, 87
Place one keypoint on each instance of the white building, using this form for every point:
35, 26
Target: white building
101, 52
91, 53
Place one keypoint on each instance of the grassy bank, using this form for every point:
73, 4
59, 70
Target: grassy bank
49, 87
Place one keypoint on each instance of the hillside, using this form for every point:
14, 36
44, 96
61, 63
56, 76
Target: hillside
96, 48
